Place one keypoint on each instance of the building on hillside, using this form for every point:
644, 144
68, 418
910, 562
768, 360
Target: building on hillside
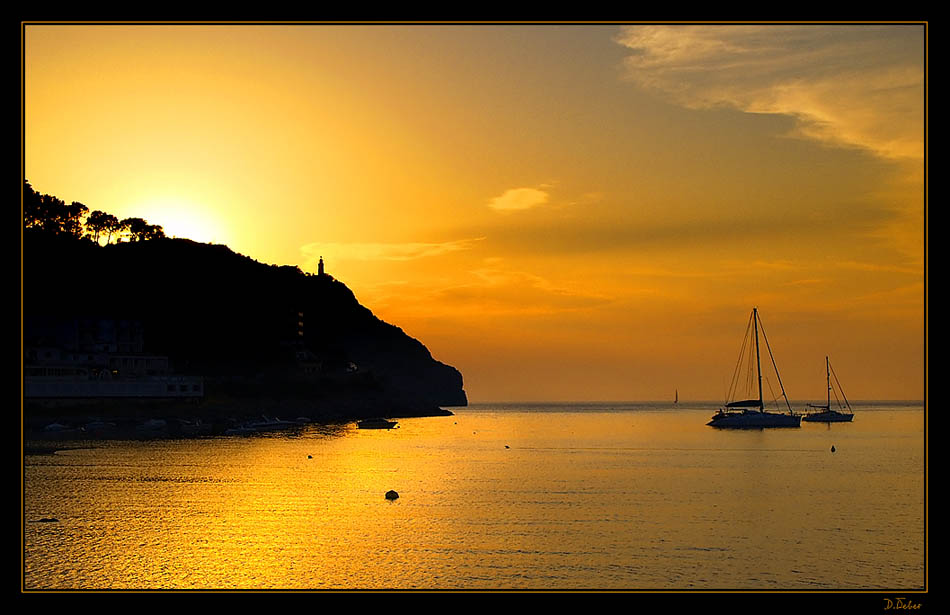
97, 358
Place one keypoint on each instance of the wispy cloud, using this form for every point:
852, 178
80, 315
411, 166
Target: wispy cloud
388, 251
492, 289
879, 267
518, 199
856, 85
497, 288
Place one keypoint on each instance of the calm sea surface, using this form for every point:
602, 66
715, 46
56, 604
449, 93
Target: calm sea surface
517, 496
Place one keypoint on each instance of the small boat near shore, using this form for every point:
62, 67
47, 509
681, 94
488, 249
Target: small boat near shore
751, 413
825, 414
97, 428
376, 424
269, 424
265, 424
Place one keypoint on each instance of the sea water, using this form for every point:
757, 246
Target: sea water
496, 497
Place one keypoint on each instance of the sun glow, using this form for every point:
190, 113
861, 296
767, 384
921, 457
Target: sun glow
183, 219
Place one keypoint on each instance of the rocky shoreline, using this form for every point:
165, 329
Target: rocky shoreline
148, 420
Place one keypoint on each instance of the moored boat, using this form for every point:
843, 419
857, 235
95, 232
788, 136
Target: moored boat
825, 413
269, 424
376, 424
751, 413
752, 418
266, 423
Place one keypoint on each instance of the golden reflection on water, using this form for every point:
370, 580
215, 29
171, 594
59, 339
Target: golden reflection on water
635, 500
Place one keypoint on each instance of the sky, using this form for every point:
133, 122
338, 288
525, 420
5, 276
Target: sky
562, 212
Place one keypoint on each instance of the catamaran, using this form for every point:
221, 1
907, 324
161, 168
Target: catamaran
751, 413
825, 414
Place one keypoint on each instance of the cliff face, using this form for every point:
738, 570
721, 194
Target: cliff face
227, 317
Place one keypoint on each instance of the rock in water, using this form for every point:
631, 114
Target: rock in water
392, 495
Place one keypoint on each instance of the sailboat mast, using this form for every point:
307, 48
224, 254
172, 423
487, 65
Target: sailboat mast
845, 397
828, 375
758, 361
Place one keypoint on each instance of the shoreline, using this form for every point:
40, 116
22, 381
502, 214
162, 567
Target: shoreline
149, 419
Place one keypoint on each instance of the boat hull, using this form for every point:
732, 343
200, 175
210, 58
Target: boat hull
754, 420
376, 425
828, 417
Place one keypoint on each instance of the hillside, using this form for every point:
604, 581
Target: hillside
253, 331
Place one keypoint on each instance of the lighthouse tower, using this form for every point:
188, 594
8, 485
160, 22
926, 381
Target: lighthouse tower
320, 267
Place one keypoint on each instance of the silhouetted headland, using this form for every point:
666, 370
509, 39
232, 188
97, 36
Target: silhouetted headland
241, 338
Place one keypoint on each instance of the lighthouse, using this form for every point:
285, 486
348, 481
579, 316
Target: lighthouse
320, 267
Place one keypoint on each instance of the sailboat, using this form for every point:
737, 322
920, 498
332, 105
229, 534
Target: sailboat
824, 413
751, 413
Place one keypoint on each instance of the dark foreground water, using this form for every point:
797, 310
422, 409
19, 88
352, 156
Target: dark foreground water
517, 496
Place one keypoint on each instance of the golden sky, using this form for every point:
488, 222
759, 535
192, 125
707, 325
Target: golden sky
562, 212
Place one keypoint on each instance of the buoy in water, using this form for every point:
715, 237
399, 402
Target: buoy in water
392, 495
832, 448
